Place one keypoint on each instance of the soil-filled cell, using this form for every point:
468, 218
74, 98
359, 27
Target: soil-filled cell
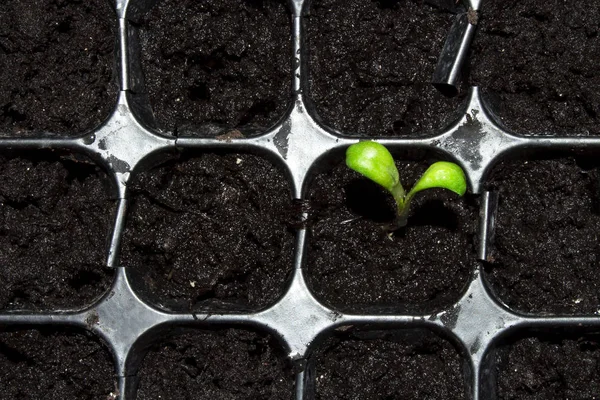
545, 256
56, 217
388, 365
213, 230
371, 64
536, 369
57, 66
218, 65
353, 261
216, 365
54, 365
539, 59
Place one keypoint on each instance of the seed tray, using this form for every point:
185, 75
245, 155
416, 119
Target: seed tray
478, 324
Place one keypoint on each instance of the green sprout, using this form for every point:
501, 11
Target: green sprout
375, 162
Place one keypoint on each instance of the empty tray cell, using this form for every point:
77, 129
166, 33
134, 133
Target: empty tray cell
388, 365
549, 368
218, 65
46, 364
540, 63
353, 260
545, 256
57, 64
56, 216
212, 231
371, 64
227, 364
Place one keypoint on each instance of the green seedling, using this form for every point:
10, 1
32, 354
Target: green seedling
375, 162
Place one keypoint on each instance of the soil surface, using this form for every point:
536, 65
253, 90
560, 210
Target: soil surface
219, 365
539, 59
57, 66
352, 263
56, 217
212, 66
546, 248
388, 365
212, 230
371, 64
54, 365
550, 369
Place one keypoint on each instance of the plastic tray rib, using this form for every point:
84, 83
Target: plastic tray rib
127, 142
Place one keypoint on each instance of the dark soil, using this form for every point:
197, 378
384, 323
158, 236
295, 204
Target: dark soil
352, 263
51, 365
546, 245
539, 58
56, 66
56, 217
230, 364
371, 64
388, 365
550, 369
212, 230
217, 65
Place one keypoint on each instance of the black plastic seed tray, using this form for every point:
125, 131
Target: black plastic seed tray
477, 325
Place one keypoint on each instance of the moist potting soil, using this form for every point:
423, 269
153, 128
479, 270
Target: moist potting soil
57, 66
387, 365
549, 368
42, 364
371, 64
537, 61
545, 257
56, 218
212, 229
215, 365
221, 65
